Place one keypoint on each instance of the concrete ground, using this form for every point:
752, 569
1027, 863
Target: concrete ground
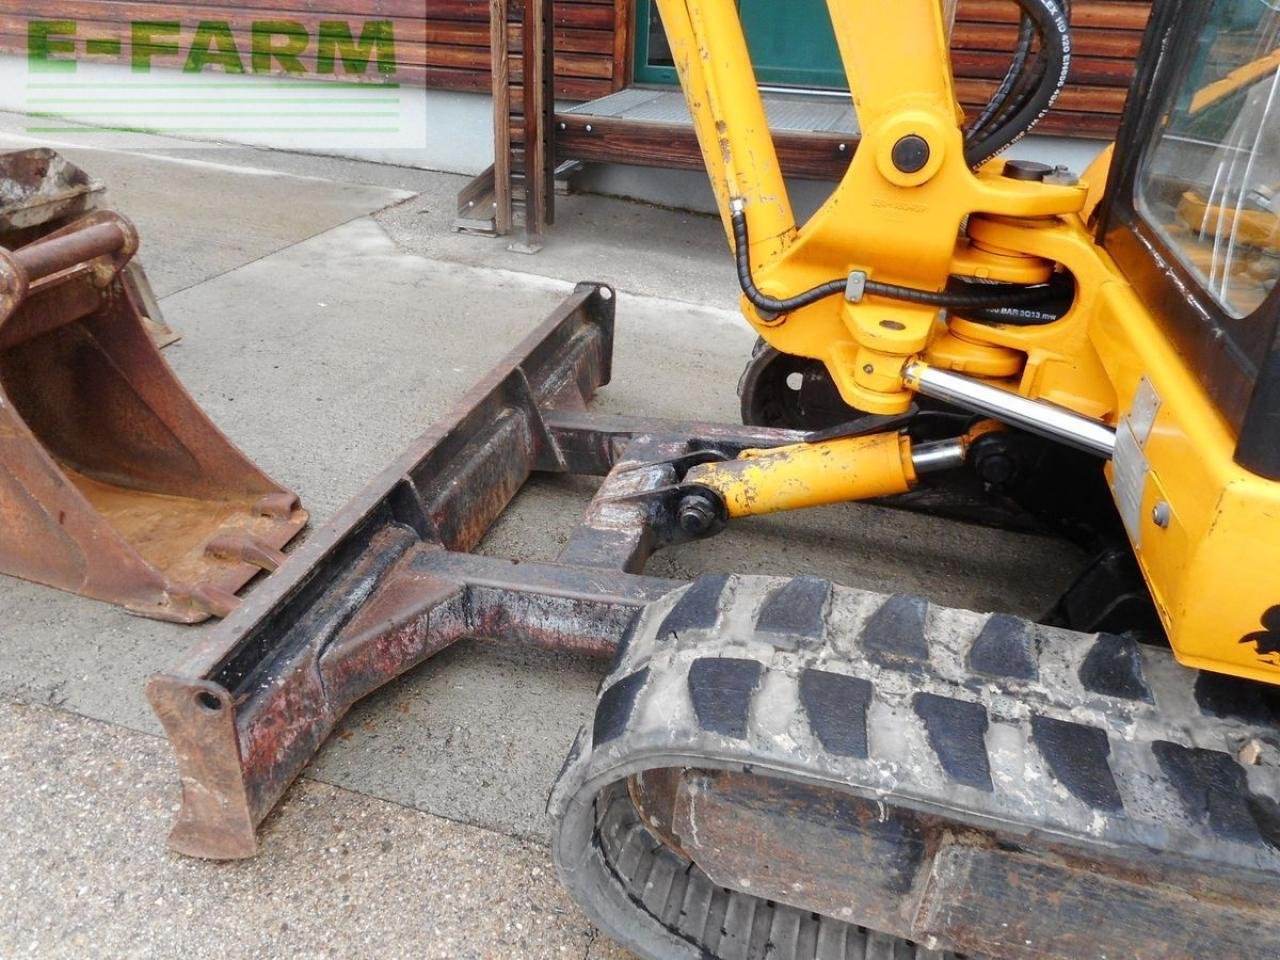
329, 315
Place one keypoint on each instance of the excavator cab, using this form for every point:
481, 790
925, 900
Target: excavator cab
1194, 220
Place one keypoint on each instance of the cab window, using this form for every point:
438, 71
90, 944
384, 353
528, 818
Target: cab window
1209, 184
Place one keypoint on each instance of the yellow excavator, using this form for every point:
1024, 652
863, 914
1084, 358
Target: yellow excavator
788, 768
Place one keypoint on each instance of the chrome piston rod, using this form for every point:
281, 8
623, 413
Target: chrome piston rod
1034, 416
940, 455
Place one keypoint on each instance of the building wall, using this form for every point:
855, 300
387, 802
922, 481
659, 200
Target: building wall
443, 66
444, 44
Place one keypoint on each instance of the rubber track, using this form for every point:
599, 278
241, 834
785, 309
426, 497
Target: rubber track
722, 922
990, 720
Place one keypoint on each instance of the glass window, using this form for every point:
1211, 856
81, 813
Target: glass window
1210, 183
659, 50
791, 42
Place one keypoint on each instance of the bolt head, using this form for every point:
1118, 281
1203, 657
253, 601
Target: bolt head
911, 153
697, 514
1161, 514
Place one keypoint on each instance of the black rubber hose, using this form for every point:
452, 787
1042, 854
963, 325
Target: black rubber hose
1013, 316
1028, 84
993, 297
1021, 85
1034, 78
1043, 82
761, 300
1060, 294
1052, 24
1026, 32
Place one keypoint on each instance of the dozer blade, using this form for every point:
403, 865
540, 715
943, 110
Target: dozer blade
113, 483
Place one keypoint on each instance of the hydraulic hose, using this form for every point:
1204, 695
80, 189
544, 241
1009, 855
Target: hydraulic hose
1017, 88
1057, 298
1013, 316
1051, 22
759, 299
993, 297
1026, 32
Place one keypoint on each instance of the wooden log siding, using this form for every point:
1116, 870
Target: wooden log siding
445, 43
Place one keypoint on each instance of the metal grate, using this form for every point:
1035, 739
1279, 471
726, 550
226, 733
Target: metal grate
789, 113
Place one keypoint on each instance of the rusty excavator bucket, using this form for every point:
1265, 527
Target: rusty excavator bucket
113, 482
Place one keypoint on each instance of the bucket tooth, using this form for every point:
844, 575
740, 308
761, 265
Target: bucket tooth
214, 601
246, 547
114, 484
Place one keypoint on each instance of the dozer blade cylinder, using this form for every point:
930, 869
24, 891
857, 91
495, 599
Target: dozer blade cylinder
810, 474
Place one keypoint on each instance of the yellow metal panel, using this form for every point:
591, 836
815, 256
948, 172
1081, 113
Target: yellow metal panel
1214, 565
719, 83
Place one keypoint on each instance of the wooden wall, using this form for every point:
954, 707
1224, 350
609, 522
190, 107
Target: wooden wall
593, 44
445, 43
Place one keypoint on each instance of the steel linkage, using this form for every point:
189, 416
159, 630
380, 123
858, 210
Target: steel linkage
389, 582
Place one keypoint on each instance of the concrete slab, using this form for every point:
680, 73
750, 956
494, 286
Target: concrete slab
642, 249
84, 872
636, 247
200, 218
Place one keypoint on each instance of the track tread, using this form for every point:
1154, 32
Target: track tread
1006, 647
894, 636
697, 608
721, 689
795, 614
957, 731
836, 707
1077, 756
1087, 715
1113, 667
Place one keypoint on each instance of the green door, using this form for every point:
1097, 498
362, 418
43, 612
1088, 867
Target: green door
791, 42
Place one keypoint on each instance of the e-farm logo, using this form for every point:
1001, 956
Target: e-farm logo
264, 79
274, 46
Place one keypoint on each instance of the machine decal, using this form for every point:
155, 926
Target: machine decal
1130, 466
1129, 479
1267, 640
